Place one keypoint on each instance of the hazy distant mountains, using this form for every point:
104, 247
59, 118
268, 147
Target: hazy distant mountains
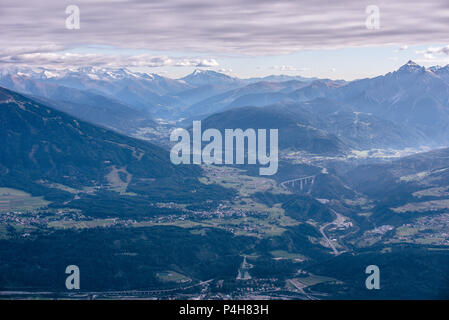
408, 107
255, 94
405, 108
143, 92
150, 93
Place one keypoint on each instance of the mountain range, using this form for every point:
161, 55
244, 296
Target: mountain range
159, 96
405, 108
116, 206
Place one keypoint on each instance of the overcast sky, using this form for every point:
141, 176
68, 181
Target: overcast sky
241, 37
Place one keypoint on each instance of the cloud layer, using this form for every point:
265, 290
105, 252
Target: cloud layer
36, 30
65, 59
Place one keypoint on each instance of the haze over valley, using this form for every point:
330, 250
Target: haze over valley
86, 177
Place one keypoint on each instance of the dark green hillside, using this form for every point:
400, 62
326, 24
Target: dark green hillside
415, 185
412, 173
295, 132
119, 259
42, 144
407, 272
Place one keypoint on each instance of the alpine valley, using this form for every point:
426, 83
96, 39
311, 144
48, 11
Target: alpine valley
86, 180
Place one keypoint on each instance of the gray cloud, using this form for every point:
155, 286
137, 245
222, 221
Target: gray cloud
438, 50
435, 55
35, 57
253, 27
207, 63
289, 68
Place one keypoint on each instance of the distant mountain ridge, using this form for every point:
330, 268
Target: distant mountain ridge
410, 104
295, 131
150, 94
405, 108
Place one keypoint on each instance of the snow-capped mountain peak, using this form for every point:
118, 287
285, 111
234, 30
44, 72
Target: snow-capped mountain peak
411, 67
207, 77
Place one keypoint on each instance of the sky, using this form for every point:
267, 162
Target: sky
344, 39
